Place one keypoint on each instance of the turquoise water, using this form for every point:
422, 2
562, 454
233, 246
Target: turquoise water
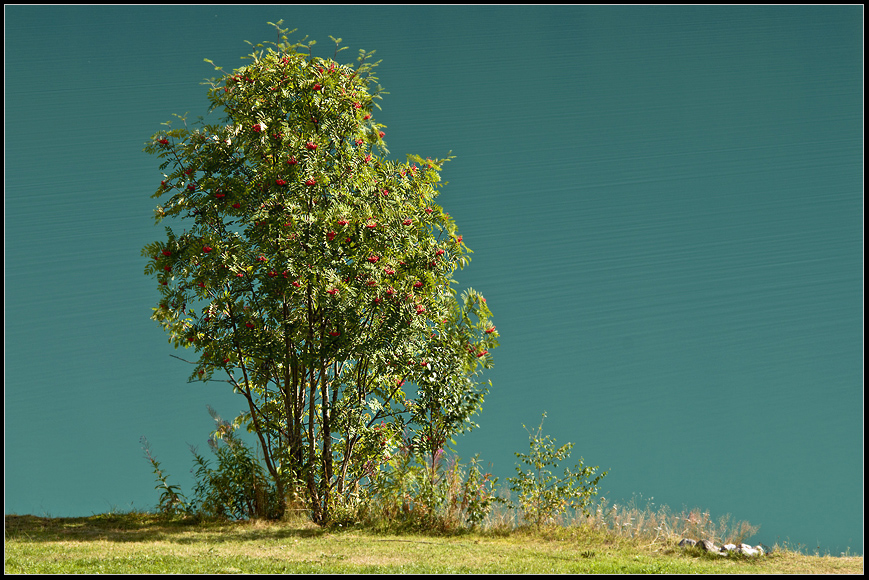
665, 206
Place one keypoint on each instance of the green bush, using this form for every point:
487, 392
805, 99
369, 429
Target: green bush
172, 501
239, 488
542, 496
412, 489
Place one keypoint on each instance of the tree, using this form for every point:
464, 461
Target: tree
314, 273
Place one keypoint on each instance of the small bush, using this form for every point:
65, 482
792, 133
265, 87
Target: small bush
239, 488
413, 492
543, 496
172, 501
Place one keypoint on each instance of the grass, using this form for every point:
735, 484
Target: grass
134, 542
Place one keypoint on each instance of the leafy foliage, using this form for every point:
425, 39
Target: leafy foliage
542, 495
172, 501
239, 487
409, 492
313, 273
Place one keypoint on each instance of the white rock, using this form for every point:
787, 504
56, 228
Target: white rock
748, 550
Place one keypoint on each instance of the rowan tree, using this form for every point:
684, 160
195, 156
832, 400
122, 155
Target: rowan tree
312, 273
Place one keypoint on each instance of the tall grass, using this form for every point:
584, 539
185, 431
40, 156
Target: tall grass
662, 523
648, 522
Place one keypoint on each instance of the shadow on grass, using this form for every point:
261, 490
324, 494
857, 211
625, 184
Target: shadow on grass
142, 527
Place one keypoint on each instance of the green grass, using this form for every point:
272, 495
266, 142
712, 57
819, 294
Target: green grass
148, 543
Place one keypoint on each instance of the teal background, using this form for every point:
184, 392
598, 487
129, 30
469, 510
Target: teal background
665, 205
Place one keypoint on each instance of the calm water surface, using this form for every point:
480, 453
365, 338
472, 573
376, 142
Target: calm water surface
665, 206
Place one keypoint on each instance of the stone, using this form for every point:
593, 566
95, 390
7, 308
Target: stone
709, 546
748, 550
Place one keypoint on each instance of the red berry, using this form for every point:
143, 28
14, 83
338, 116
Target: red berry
310, 145
206, 249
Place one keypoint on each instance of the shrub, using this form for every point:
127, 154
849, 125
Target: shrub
239, 488
541, 495
411, 490
172, 501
